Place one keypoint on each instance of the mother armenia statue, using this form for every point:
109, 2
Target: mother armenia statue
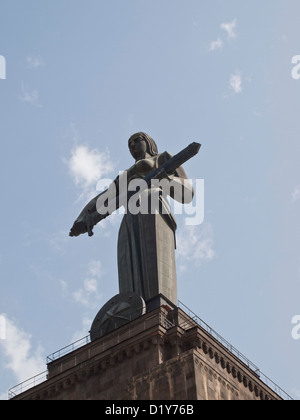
146, 242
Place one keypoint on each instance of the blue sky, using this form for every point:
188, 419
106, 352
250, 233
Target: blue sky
81, 77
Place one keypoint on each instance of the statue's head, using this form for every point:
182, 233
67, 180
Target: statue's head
141, 143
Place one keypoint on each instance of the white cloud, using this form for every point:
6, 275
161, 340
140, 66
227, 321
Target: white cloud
296, 194
257, 114
95, 268
63, 285
18, 354
216, 45
82, 332
236, 82
230, 29
30, 96
34, 62
88, 295
88, 166
58, 239
195, 245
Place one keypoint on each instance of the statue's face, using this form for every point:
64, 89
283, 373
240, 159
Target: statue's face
138, 148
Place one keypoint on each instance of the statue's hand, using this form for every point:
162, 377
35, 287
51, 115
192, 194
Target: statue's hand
78, 228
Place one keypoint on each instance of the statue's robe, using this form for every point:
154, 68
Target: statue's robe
146, 243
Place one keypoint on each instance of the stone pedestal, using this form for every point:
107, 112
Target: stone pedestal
163, 355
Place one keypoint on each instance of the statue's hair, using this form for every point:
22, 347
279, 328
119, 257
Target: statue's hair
149, 140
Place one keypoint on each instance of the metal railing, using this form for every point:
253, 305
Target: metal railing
38, 379
219, 338
279, 391
68, 349
42, 377
28, 384
164, 322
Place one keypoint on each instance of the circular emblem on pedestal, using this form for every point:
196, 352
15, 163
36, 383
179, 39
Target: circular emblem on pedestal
118, 311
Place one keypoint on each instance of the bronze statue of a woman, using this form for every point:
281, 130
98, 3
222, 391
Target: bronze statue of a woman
146, 243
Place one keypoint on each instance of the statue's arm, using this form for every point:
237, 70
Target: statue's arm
80, 225
90, 215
